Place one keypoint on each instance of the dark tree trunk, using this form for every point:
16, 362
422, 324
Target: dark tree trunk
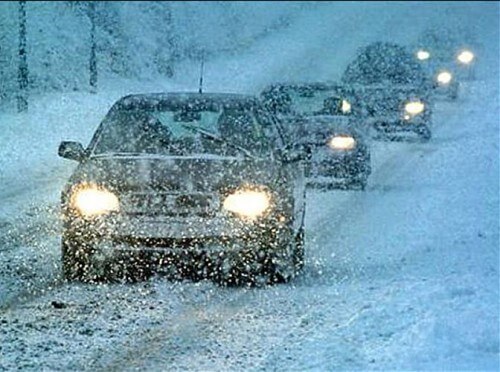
22, 74
93, 57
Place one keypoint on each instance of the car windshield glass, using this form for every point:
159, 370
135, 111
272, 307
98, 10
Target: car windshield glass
308, 101
182, 131
384, 63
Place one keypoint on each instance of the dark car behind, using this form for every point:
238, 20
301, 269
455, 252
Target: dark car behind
339, 152
394, 91
313, 113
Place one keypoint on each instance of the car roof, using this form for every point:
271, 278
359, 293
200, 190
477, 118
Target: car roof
326, 85
145, 100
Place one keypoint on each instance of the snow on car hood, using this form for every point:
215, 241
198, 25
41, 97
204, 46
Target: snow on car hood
202, 172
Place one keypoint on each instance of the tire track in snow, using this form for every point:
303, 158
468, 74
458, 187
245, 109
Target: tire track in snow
189, 329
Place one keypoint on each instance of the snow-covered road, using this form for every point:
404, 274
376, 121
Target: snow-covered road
402, 276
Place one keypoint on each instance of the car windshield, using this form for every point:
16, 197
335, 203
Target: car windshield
303, 100
382, 63
182, 130
309, 102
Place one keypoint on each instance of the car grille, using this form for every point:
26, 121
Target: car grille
168, 204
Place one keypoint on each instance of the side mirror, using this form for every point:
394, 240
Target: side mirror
71, 150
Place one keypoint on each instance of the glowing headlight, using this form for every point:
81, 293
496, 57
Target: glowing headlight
444, 77
342, 143
346, 106
248, 203
92, 201
414, 107
423, 55
465, 57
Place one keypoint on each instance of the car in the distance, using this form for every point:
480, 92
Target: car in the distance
321, 117
339, 152
393, 91
455, 48
193, 184
291, 99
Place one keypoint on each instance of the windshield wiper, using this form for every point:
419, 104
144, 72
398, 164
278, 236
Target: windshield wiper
214, 137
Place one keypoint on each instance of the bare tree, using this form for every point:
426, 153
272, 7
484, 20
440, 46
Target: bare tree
22, 75
93, 57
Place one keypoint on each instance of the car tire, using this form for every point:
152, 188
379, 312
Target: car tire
76, 262
299, 250
424, 133
79, 263
453, 94
362, 184
268, 264
358, 183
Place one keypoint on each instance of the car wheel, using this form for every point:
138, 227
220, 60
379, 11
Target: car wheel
424, 133
453, 93
298, 255
80, 261
276, 259
362, 184
76, 259
358, 183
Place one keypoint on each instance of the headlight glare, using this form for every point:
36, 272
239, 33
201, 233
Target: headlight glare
465, 57
414, 107
342, 142
444, 77
346, 107
248, 204
93, 201
423, 55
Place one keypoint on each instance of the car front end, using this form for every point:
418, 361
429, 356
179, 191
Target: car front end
397, 112
172, 208
169, 186
339, 156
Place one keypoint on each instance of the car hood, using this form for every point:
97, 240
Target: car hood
202, 172
386, 99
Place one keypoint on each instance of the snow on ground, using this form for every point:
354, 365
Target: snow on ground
391, 281
402, 276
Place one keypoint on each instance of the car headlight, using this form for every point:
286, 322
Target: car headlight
343, 142
346, 107
444, 77
93, 201
423, 55
414, 107
465, 57
247, 203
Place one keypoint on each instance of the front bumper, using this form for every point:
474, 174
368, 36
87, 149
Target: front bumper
338, 170
339, 165
399, 125
123, 232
